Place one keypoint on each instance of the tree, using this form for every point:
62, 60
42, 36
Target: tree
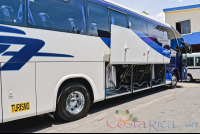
145, 13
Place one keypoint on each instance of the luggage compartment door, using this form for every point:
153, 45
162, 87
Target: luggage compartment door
18, 91
129, 47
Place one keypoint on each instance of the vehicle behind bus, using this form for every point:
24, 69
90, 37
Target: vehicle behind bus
193, 62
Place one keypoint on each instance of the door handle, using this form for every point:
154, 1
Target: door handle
126, 49
125, 54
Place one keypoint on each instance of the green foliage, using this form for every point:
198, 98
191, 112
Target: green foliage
145, 13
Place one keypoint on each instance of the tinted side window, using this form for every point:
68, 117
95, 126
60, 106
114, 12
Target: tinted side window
157, 30
165, 36
68, 16
190, 61
197, 59
98, 21
12, 12
137, 24
118, 19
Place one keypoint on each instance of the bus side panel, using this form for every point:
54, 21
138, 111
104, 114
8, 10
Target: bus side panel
49, 74
18, 92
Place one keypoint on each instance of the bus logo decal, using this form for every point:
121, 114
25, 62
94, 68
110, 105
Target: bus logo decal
19, 59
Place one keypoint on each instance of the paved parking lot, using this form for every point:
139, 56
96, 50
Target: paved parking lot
158, 110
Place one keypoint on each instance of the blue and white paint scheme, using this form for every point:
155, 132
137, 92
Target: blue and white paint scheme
36, 61
31, 48
134, 47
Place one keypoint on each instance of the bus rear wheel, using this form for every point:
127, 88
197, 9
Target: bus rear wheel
174, 81
73, 102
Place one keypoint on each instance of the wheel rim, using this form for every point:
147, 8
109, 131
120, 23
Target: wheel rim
189, 78
174, 80
75, 102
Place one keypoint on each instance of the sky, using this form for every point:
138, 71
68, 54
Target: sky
155, 7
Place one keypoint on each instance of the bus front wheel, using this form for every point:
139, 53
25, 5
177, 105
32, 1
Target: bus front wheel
73, 102
174, 81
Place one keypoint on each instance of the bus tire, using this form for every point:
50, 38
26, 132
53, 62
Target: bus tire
174, 81
190, 78
73, 102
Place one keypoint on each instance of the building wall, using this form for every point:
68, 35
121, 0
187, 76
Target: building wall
172, 17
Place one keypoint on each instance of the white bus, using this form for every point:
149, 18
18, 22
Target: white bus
193, 63
61, 56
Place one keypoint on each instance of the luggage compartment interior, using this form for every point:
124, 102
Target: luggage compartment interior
126, 79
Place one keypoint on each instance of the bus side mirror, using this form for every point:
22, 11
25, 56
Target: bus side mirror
190, 49
187, 47
177, 49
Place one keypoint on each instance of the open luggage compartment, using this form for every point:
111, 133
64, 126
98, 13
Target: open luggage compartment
126, 79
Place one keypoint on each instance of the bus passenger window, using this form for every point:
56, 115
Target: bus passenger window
118, 19
190, 61
137, 24
197, 61
12, 12
157, 31
57, 15
98, 21
43, 20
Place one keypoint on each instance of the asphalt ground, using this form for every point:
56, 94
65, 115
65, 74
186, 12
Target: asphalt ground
158, 110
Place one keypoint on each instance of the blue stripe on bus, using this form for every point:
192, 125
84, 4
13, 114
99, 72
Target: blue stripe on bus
52, 55
107, 41
147, 40
31, 48
11, 30
21, 57
129, 12
3, 48
153, 44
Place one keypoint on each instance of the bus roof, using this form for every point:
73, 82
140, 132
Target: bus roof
135, 11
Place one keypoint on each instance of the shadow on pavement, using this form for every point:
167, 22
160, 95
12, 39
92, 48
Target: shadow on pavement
100, 106
196, 82
35, 124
